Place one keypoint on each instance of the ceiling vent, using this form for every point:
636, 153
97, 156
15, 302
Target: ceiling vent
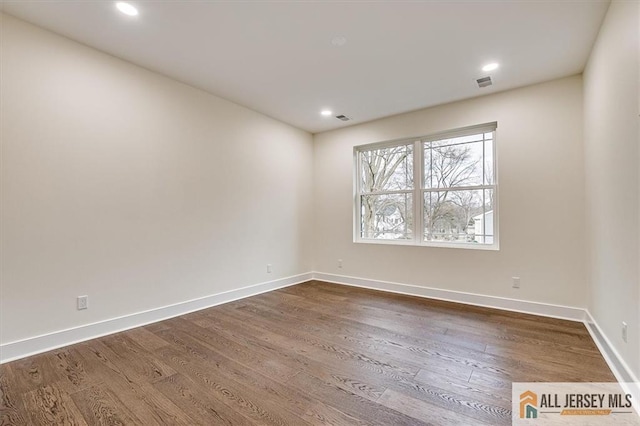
484, 82
343, 117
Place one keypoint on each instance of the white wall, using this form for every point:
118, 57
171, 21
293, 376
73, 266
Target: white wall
541, 189
134, 189
611, 96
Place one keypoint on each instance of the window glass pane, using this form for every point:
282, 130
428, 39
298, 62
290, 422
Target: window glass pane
455, 172
458, 216
388, 216
387, 169
488, 214
453, 165
489, 173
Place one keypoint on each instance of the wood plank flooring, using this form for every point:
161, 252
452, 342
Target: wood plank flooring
310, 354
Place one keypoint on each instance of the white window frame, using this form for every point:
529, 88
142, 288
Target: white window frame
419, 189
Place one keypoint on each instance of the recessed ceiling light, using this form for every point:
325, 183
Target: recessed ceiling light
490, 67
339, 41
326, 112
127, 9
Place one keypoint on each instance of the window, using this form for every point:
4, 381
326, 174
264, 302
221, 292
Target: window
436, 190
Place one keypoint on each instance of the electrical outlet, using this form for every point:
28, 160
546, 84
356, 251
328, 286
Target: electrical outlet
340, 263
516, 282
268, 268
624, 331
83, 302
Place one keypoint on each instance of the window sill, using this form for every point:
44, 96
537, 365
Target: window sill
489, 247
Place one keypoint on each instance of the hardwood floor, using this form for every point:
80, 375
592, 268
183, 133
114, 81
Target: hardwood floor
310, 354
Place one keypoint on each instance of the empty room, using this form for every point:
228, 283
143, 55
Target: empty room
320, 212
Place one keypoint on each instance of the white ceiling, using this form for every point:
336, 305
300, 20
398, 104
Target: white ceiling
278, 58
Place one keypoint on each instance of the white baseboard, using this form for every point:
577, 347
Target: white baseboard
618, 366
506, 304
46, 342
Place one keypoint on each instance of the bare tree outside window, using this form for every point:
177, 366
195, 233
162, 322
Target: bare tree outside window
455, 190
456, 197
386, 185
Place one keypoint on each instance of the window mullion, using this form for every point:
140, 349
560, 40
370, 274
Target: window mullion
358, 194
458, 188
397, 191
418, 182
